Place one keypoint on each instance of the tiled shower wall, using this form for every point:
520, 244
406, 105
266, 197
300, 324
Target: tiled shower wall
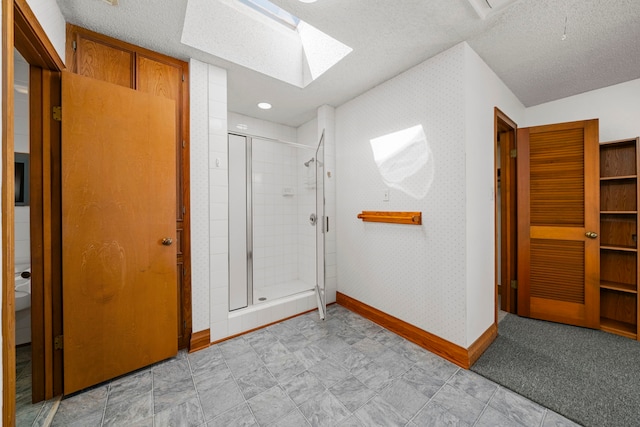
209, 195
276, 198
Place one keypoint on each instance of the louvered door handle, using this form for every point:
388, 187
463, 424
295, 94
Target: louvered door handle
591, 234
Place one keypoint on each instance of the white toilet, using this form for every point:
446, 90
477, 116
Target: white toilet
22, 287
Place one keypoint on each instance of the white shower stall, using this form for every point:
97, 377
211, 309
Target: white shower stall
275, 226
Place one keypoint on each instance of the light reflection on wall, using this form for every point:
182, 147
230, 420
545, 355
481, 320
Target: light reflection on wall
405, 161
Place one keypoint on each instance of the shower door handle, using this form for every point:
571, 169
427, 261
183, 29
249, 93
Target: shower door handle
313, 219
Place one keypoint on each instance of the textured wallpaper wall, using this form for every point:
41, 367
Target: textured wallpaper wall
415, 273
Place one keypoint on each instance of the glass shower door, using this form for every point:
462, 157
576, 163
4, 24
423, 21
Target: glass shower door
322, 225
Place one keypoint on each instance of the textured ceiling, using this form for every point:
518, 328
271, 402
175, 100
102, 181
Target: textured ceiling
523, 45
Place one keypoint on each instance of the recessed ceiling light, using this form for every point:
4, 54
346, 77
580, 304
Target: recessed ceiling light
308, 1
264, 105
242, 126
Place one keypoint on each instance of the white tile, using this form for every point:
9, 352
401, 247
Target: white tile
219, 279
219, 211
220, 295
219, 194
219, 228
219, 245
218, 177
218, 160
219, 330
249, 321
218, 110
219, 262
235, 326
217, 76
219, 312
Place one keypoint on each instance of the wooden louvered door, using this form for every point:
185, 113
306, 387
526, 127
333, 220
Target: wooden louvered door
558, 223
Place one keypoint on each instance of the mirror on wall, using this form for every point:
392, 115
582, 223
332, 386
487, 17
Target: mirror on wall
21, 179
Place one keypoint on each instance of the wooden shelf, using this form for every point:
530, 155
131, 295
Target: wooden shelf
619, 248
620, 287
619, 170
618, 212
620, 328
612, 178
413, 218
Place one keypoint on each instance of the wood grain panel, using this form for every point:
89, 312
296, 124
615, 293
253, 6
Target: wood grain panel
103, 62
162, 79
617, 159
8, 217
120, 305
558, 266
506, 182
618, 267
557, 197
557, 270
618, 230
618, 195
166, 77
200, 340
412, 218
179, 242
619, 306
558, 311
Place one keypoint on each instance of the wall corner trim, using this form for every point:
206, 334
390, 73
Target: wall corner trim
482, 343
199, 340
443, 348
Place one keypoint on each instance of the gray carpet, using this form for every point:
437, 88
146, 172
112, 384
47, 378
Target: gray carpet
591, 377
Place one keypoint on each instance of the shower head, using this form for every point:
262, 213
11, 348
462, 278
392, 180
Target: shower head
307, 163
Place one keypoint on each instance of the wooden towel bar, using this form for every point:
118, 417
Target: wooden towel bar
414, 218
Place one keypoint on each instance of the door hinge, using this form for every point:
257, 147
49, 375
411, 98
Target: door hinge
184, 144
184, 325
513, 153
183, 77
57, 113
58, 342
514, 284
184, 210
74, 45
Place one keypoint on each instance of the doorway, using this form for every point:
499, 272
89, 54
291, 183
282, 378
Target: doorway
506, 213
22, 31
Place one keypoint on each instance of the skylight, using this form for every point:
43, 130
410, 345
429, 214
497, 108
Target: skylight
260, 36
274, 12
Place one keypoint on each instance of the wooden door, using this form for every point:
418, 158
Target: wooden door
164, 79
104, 58
118, 204
558, 208
506, 144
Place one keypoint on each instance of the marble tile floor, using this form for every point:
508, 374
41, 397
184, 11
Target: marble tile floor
28, 414
345, 371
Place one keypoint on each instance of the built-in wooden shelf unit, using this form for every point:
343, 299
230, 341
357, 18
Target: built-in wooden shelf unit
413, 218
619, 237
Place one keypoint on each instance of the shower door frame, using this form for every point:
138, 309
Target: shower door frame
249, 205
322, 226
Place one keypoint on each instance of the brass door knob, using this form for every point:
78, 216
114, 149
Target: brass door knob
167, 241
591, 234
